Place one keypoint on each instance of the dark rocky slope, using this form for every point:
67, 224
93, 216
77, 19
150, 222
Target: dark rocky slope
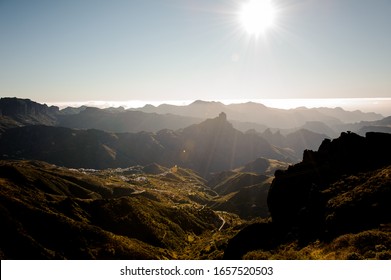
344, 187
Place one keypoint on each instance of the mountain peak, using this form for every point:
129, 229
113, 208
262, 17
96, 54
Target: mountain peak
222, 116
26, 112
219, 121
213, 125
202, 102
12, 106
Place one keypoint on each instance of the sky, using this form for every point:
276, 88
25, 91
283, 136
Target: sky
119, 50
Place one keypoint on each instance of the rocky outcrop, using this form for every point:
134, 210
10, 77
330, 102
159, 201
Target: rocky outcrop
344, 187
26, 111
298, 188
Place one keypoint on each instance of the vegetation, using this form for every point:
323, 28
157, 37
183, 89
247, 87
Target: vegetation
54, 212
370, 245
335, 204
207, 191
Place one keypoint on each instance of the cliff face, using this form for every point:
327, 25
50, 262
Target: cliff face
25, 112
297, 196
343, 188
23, 107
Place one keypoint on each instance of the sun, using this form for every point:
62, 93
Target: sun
257, 16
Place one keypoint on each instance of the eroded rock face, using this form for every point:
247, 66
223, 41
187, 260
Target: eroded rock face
253, 237
27, 111
298, 190
344, 187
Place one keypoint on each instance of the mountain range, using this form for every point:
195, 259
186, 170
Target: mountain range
259, 113
89, 183
249, 118
211, 146
245, 116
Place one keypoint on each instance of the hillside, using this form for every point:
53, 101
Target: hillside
263, 166
215, 145
211, 146
244, 190
123, 121
242, 193
49, 212
296, 142
340, 192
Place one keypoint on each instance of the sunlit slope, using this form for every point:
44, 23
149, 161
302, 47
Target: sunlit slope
55, 213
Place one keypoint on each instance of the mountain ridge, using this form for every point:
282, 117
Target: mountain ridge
213, 145
342, 188
244, 116
270, 117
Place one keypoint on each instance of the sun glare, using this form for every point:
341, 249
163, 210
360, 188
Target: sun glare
257, 16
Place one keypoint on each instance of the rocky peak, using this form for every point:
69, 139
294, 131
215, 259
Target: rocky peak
222, 116
304, 185
24, 107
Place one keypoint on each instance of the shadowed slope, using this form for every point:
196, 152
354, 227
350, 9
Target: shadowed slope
213, 145
342, 188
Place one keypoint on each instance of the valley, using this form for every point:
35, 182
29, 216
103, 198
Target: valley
137, 213
88, 183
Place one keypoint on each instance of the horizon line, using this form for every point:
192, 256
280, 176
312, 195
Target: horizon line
381, 105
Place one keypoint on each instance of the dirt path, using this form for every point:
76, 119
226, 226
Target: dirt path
222, 225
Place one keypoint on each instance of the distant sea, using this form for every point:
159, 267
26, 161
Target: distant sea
379, 105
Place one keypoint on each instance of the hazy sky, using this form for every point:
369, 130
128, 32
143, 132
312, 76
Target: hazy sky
79, 50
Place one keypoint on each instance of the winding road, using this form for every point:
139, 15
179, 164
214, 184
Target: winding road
222, 225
